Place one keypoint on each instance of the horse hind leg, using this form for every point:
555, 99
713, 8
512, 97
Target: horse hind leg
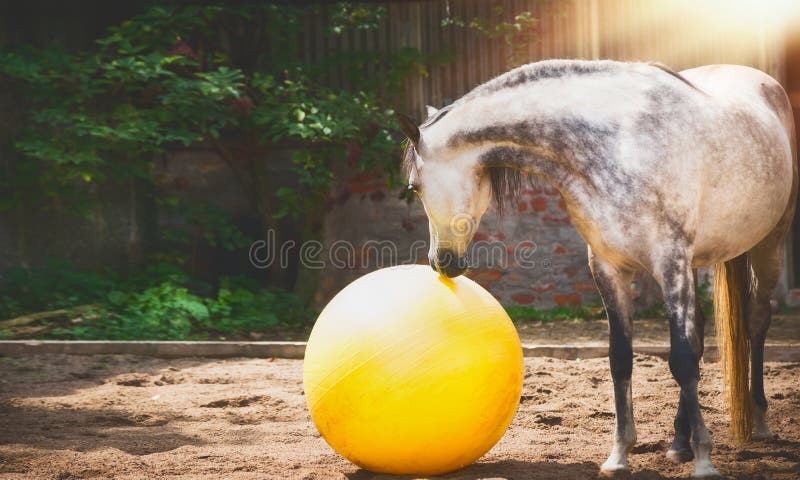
681, 449
674, 275
766, 263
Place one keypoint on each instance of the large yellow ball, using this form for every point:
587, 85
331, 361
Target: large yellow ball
407, 372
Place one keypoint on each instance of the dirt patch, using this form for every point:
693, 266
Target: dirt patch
73, 417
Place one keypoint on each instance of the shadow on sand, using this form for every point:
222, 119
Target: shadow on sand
506, 469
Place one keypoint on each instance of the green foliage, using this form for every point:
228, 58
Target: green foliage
242, 309
157, 303
656, 310
168, 78
56, 285
229, 75
516, 32
313, 175
705, 298
296, 108
521, 313
358, 16
164, 310
201, 220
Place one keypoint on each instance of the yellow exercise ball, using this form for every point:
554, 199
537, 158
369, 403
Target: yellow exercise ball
408, 372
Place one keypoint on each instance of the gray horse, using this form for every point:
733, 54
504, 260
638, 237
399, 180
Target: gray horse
660, 171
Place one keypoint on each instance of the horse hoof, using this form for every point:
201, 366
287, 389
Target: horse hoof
615, 474
705, 470
680, 456
614, 468
764, 435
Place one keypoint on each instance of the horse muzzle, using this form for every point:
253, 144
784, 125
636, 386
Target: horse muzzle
449, 264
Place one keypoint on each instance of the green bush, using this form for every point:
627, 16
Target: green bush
520, 313
159, 302
53, 286
243, 310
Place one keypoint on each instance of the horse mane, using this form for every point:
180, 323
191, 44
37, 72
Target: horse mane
506, 182
543, 70
436, 116
507, 179
672, 72
548, 69
507, 185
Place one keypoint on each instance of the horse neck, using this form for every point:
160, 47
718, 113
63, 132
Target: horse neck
561, 149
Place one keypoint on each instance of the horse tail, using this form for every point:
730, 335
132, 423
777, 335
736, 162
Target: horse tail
731, 287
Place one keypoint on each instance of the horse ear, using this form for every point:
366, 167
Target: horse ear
431, 110
409, 128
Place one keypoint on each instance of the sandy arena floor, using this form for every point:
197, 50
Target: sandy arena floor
72, 417
647, 331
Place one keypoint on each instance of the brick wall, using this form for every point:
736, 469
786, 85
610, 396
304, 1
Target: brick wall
363, 213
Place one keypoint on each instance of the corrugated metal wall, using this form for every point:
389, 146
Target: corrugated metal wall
675, 32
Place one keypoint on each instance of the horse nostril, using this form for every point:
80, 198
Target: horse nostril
447, 259
449, 264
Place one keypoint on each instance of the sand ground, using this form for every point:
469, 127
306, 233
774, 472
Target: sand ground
82, 417
785, 328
